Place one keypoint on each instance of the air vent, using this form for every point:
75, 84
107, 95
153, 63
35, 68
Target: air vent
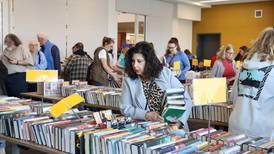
258, 13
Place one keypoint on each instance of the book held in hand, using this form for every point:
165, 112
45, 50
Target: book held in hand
173, 113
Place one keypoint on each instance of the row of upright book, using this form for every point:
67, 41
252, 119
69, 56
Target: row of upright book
219, 112
225, 142
105, 96
106, 133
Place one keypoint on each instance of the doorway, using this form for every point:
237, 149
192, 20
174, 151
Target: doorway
207, 45
131, 30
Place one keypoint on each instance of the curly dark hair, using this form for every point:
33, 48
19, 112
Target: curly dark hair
153, 65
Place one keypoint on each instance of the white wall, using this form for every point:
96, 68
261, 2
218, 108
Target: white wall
189, 12
113, 24
133, 6
163, 22
126, 17
182, 25
5, 22
182, 29
33, 16
159, 16
89, 20
87, 23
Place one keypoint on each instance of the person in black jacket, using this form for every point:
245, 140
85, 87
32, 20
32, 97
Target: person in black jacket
3, 75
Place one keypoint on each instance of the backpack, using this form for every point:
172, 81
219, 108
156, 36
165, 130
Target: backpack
89, 70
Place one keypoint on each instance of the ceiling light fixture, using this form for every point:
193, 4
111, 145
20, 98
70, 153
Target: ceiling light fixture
212, 1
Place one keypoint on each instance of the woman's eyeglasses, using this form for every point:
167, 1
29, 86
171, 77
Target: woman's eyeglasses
171, 47
229, 53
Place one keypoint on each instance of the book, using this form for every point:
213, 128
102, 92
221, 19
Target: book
204, 93
42, 75
207, 63
65, 104
173, 113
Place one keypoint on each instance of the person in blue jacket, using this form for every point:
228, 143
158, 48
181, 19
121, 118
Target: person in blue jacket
51, 51
176, 59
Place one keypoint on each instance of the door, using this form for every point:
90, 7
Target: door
207, 45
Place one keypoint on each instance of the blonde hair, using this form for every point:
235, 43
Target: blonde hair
221, 54
263, 45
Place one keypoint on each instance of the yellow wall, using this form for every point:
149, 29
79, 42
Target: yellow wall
235, 22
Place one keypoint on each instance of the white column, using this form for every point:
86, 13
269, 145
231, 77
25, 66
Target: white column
113, 24
136, 29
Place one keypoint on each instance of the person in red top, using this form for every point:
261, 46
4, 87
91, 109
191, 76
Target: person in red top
225, 66
214, 58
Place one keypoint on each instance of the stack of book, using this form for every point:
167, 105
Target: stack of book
219, 112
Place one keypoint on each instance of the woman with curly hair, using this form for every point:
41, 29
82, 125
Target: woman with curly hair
143, 88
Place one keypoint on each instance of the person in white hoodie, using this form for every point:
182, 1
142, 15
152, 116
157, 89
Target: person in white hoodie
253, 90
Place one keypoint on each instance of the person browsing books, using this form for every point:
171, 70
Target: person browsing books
252, 92
76, 67
145, 84
174, 56
102, 72
225, 66
17, 60
39, 59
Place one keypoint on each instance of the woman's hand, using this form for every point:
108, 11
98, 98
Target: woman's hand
13, 61
153, 116
178, 124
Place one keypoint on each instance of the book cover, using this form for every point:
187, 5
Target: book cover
173, 113
65, 104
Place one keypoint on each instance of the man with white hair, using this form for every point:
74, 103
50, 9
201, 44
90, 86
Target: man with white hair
51, 52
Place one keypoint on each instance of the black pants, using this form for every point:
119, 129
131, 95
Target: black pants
32, 87
16, 84
183, 81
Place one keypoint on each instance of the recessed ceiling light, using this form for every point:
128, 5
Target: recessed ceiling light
212, 1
